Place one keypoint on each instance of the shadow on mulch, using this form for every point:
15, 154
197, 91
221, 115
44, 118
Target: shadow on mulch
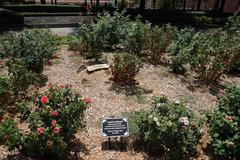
130, 90
194, 84
76, 148
42, 80
115, 144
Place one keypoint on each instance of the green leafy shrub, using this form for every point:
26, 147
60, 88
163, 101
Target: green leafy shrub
108, 31
125, 68
77, 44
122, 4
136, 38
112, 29
209, 53
213, 53
233, 24
26, 54
88, 41
20, 77
24, 108
5, 91
52, 123
158, 41
9, 133
169, 130
225, 124
34, 47
180, 48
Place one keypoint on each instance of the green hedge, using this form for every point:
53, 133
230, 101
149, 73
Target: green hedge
10, 18
186, 17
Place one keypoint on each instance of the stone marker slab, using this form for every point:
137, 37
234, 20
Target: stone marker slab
97, 67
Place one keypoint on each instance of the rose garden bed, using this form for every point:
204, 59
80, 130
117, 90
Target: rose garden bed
172, 125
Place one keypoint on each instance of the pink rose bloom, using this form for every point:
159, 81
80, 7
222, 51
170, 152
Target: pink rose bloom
54, 113
40, 130
87, 100
56, 130
228, 118
53, 122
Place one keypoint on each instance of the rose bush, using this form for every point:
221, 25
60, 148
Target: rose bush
158, 41
136, 38
125, 68
25, 55
55, 117
225, 124
169, 129
5, 92
92, 38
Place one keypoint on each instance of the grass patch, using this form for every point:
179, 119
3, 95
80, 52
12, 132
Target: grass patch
65, 39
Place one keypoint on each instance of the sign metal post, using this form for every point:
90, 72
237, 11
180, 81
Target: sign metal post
113, 128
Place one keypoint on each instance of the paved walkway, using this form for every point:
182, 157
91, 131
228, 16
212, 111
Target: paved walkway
51, 20
63, 31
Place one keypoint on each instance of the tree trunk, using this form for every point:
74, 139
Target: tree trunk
216, 5
222, 5
142, 6
97, 4
184, 4
122, 5
199, 4
173, 4
43, 1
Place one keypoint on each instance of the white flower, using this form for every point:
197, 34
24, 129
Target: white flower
201, 131
169, 123
155, 119
158, 123
184, 121
158, 105
150, 116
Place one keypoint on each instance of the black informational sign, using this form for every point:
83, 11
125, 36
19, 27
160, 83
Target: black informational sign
115, 127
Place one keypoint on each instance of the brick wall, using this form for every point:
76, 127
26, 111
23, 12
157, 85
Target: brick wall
230, 5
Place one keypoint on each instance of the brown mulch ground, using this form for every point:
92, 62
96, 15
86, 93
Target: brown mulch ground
109, 102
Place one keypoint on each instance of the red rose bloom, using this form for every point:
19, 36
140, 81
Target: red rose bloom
40, 130
56, 130
53, 122
50, 85
228, 118
87, 100
54, 113
62, 85
44, 99
221, 91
